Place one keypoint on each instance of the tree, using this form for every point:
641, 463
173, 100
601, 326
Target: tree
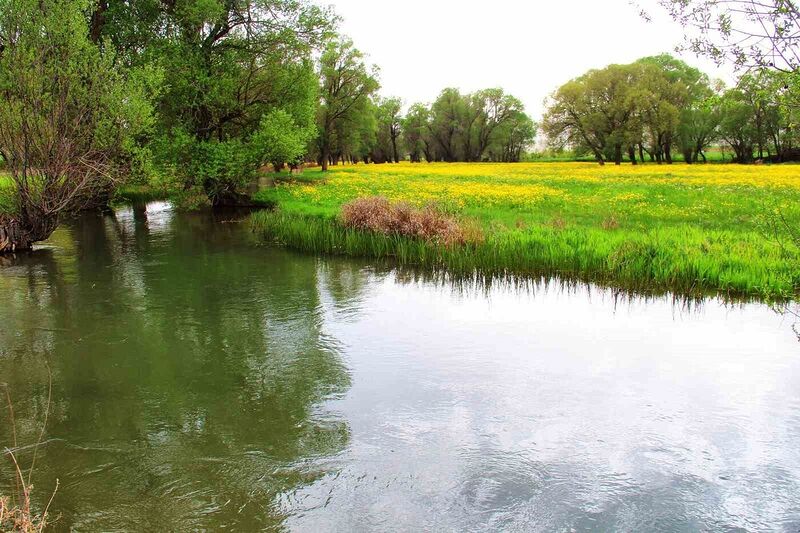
737, 125
415, 133
389, 126
347, 84
595, 112
71, 115
228, 64
512, 137
745, 33
446, 125
748, 34
278, 140
652, 104
698, 126
487, 110
756, 121
665, 87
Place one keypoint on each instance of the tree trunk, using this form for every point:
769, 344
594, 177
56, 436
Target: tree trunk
13, 237
618, 154
17, 235
395, 155
632, 154
599, 157
324, 159
98, 21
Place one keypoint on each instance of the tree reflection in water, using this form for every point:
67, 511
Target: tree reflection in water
190, 371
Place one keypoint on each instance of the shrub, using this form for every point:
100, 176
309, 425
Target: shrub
20, 518
379, 215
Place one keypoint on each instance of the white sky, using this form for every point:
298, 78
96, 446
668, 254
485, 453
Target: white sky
529, 48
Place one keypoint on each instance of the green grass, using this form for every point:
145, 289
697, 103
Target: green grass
688, 262
6, 194
143, 193
689, 230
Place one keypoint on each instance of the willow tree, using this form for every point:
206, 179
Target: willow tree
595, 112
487, 111
664, 87
387, 114
70, 116
415, 133
347, 84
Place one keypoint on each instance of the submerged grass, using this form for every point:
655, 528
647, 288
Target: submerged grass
688, 229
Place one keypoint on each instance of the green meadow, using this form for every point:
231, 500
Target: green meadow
689, 229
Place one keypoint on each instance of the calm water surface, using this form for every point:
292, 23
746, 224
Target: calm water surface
201, 382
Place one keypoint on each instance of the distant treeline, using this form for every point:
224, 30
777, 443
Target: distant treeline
657, 106
653, 110
486, 125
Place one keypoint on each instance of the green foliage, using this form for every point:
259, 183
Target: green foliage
485, 125
7, 202
73, 117
236, 73
660, 103
512, 136
415, 133
747, 34
596, 112
389, 125
759, 118
346, 116
279, 139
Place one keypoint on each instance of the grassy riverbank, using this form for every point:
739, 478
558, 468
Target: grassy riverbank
685, 228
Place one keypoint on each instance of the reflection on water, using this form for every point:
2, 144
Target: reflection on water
201, 381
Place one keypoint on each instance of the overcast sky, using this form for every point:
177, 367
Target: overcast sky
529, 48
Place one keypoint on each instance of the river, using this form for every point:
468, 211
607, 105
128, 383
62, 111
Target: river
202, 380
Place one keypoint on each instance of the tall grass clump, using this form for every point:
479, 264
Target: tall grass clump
379, 215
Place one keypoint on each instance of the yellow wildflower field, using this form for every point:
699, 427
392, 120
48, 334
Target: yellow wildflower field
689, 228
709, 195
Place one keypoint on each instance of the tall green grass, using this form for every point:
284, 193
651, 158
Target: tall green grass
681, 259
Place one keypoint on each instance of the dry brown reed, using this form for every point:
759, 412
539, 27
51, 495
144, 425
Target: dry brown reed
379, 215
16, 514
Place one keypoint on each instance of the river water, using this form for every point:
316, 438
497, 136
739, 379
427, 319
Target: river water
203, 381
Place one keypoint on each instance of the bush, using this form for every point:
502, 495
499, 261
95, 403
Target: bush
381, 216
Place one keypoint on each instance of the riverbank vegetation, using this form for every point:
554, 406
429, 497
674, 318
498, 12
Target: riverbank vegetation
689, 228
70, 118
199, 101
